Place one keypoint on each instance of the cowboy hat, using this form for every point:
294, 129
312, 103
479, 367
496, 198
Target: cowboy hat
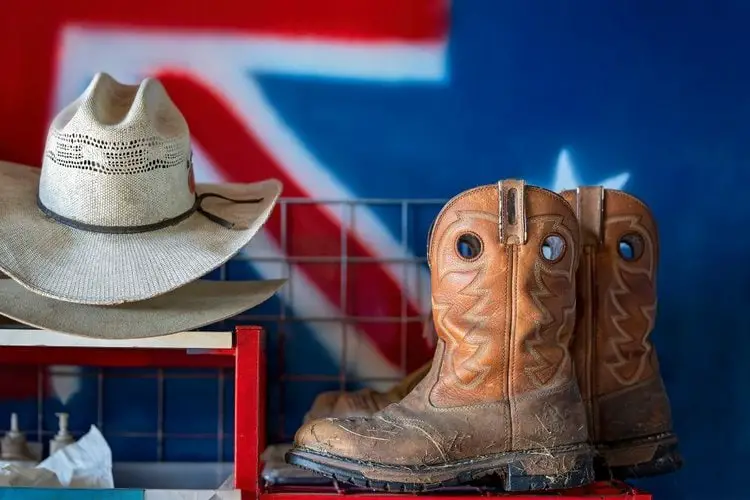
192, 306
114, 215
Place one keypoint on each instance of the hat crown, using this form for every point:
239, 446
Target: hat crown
118, 156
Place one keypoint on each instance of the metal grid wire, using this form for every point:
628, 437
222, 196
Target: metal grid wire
409, 219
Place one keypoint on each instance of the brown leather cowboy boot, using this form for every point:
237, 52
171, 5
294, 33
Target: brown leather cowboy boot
629, 415
501, 396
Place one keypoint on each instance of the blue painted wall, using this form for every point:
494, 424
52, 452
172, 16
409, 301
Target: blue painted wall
656, 89
660, 90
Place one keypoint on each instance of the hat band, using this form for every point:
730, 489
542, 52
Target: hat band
147, 227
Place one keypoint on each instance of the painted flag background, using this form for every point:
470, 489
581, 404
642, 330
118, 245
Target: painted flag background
393, 100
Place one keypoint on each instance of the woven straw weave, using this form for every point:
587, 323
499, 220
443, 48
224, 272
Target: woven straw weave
127, 147
187, 308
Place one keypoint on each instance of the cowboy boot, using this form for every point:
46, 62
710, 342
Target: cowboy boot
629, 416
363, 402
501, 396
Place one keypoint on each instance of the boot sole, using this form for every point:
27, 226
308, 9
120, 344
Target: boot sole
644, 457
556, 468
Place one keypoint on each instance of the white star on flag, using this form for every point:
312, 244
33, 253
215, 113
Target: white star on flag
566, 178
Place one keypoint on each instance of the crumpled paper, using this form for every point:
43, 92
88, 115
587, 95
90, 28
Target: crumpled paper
87, 463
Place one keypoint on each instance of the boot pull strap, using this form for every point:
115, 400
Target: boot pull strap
512, 211
589, 210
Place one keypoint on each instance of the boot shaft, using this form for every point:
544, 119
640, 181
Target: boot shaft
616, 364
503, 259
617, 286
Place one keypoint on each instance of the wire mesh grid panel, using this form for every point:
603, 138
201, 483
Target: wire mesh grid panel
353, 309
350, 315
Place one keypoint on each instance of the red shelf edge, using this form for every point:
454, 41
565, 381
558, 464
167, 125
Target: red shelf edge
114, 358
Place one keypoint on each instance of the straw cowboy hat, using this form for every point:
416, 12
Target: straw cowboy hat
192, 306
114, 215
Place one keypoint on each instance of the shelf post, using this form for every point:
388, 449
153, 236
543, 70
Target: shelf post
249, 408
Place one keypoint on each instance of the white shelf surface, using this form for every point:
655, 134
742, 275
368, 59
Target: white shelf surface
173, 475
182, 340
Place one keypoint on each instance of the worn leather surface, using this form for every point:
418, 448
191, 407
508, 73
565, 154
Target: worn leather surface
634, 412
502, 376
617, 366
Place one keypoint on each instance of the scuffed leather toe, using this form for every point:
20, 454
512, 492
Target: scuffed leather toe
374, 439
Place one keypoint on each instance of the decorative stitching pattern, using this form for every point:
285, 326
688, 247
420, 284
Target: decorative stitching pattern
639, 307
473, 370
543, 326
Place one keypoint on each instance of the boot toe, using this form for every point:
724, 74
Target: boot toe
326, 436
370, 440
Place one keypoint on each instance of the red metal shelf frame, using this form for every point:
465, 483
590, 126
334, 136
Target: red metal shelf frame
250, 434
250, 415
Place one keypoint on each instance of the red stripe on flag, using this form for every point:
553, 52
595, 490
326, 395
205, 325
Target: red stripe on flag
241, 157
415, 20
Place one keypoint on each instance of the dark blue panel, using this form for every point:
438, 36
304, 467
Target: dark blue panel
191, 450
228, 455
274, 408
228, 410
132, 449
191, 405
130, 404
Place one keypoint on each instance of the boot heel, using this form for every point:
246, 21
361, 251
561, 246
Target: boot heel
645, 457
556, 469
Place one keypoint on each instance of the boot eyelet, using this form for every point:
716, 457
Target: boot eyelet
469, 246
553, 248
630, 246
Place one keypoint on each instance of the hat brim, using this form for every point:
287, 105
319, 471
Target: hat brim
189, 307
73, 265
